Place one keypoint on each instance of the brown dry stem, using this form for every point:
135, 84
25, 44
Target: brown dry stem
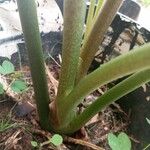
83, 143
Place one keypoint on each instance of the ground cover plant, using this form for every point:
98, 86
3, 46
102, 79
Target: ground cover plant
79, 47
16, 83
121, 142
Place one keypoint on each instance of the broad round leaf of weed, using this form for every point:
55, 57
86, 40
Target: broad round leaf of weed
18, 86
56, 139
122, 142
113, 141
34, 143
6, 68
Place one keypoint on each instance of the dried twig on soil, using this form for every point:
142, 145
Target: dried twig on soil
83, 143
120, 109
41, 132
6, 87
12, 141
134, 140
52, 79
55, 61
2, 101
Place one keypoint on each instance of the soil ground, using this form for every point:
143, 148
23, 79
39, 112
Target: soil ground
19, 123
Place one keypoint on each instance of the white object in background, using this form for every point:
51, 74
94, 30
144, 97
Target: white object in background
143, 18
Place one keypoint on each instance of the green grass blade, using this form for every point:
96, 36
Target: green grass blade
99, 5
90, 16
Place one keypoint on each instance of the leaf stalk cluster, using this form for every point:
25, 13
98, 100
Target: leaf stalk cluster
77, 54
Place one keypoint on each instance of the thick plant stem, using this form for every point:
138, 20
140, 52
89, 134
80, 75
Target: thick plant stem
96, 35
118, 91
74, 16
28, 16
133, 61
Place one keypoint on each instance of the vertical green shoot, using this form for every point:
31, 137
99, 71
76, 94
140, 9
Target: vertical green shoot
96, 35
74, 15
89, 18
99, 5
28, 16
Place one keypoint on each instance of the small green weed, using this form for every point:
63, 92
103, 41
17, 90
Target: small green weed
17, 85
6, 68
5, 125
120, 142
56, 140
34, 144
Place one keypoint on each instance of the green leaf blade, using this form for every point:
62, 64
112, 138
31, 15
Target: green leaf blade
56, 139
34, 143
113, 141
8, 67
18, 86
122, 142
